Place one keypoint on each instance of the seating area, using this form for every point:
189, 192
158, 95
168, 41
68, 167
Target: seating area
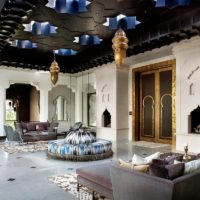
99, 100
36, 131
162, 180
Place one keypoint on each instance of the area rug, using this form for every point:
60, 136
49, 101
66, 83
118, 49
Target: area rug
18, 148
68, 182
150, 144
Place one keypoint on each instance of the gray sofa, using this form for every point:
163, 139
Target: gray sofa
132, 185
36, 131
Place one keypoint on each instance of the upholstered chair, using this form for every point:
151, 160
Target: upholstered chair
12, 135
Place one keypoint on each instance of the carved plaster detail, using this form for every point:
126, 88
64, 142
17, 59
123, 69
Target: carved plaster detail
193, 72
191, 89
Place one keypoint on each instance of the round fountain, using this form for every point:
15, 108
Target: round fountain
80, 145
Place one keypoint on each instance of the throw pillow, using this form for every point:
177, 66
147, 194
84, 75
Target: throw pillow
170, 159
175, 170
24, 131
167, 171
192, 166
128, 165
138, 160
141, 168
40, 127
31, 127
176, 161
124, 164
24, 125
158, 170
159, 162
153, 156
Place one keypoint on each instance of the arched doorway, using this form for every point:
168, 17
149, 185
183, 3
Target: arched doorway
22, 103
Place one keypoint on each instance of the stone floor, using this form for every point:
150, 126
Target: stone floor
30, 172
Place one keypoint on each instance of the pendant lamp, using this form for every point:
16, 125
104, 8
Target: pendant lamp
54, 70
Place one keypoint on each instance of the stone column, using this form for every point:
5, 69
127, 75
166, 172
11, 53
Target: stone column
112, 94
44, 103
78, 101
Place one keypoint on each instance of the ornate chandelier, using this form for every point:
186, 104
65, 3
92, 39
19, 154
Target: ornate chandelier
54, 70
120, 45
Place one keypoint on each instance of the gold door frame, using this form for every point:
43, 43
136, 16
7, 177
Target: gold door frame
160, 65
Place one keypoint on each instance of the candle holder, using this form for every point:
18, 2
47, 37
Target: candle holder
186, 157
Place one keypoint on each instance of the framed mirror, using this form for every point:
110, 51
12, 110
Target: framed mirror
60, 109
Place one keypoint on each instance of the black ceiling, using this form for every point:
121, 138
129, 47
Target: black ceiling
158, 27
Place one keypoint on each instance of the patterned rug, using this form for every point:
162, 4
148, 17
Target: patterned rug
18, 148
68, 182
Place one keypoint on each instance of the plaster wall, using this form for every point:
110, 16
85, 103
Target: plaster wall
62, 90
39, 79
112, 94
188, 91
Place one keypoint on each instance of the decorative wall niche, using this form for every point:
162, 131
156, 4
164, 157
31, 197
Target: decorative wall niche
195, 121
106, 119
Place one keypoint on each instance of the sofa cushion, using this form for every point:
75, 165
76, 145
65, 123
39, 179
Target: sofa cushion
192, 166
24, 127
151, 157
158, 170
175, 170
46, 125
141, 168
31, 126
167, 171
125, 164
40, 127
159, 162
138, 160
170, 159
129, 165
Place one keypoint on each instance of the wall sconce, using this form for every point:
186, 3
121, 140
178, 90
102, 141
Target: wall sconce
54, 70
120, 45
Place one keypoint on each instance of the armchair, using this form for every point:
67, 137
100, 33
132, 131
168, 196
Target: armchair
11, 134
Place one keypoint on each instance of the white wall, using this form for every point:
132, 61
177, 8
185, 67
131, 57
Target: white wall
188, 72
112, 94
62, 90
39, 79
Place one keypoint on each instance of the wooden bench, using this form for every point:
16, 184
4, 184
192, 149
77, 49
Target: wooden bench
96, 178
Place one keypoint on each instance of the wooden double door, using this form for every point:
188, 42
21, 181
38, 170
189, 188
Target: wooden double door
155, 101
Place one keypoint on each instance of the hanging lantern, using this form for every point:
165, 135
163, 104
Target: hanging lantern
54, 70
120, 45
